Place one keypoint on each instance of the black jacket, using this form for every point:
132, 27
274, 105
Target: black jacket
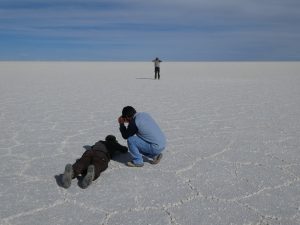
110, 148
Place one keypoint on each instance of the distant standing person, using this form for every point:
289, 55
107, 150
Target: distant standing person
157, 62
144, 136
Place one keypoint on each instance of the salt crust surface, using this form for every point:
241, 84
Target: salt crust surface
233, 143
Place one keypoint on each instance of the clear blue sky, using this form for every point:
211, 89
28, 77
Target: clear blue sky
139, 30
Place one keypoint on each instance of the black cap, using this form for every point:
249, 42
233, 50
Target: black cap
111, 138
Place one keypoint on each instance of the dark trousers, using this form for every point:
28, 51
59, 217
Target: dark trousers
91, 157
157, 72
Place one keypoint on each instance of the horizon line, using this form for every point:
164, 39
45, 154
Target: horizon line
142, 61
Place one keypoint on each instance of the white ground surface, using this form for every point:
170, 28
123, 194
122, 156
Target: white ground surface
233, 154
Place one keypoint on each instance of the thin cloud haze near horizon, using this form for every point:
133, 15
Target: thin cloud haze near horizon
132, 30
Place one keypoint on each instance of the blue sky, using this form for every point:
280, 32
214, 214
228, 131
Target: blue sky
139, 30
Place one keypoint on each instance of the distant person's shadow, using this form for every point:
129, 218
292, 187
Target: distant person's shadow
144, 78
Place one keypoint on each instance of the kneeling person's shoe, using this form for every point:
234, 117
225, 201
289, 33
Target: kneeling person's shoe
132, 164
89, 177
156, 159
67, 176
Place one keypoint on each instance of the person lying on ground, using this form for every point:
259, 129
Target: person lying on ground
93, 162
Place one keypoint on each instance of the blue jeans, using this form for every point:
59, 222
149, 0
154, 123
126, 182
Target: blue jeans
138, 147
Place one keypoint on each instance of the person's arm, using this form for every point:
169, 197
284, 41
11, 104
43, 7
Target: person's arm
115, 146
121, 148
128, 131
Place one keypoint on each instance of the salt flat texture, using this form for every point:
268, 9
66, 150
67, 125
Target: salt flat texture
233, 154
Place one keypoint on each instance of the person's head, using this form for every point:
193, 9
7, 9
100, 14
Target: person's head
112, 145
111, 138
128, 112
